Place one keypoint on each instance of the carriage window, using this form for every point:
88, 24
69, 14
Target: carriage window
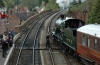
88, 42
84, 40
95, 44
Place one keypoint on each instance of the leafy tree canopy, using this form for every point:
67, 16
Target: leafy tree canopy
10, 3
94, 16
1, 3
52, 5
46, 1
77, 6
29, 3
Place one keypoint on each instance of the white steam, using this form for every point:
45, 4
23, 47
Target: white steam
64, 3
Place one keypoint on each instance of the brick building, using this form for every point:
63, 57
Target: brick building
13, 20
82, 15
2, 27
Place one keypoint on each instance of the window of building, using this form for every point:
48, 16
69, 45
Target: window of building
88, 45
84, 40
95, 44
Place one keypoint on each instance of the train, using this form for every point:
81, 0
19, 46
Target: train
78, 39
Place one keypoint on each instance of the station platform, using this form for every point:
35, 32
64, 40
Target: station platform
2, 60
5, 61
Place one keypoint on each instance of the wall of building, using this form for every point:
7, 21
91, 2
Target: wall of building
80, 15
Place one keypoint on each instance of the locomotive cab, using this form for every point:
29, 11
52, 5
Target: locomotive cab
66, 33
73, 25
70, 24
70, 32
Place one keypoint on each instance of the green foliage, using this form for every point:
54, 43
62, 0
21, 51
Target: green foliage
90, 4
40, 1
29, 3
76, 7
94, 16
9, 3
52, 5
13, 3
80, 1
1, 3
46, 1
22, 21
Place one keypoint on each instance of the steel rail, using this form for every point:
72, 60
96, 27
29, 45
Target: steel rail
50, 50
70, 63
35, 42
25, 40
66, 55
60, 12
48, 31
36, 38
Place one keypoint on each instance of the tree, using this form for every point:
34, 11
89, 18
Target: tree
1, 3
52, 5
90, 4
79, 1
46, 1
31, 3
76, 6
94, 16
40, 1
9, 3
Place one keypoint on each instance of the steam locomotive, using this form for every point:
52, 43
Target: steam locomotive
79, 40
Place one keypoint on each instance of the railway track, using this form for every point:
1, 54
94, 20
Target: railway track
71, 60
29, 52
59, 58
52, 55
24, 52
67, 59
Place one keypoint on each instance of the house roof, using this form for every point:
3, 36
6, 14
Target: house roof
13, 17
21, 16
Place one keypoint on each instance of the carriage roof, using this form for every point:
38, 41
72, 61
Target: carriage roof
91, 29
